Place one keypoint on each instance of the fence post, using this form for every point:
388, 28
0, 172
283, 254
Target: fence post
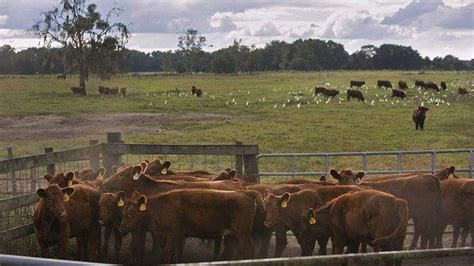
251, 165
238, 161
293, 166
12, 170
49, 167
94, 157
469, 159
364, 162
433, 162
326, 164
109, 159
399, 162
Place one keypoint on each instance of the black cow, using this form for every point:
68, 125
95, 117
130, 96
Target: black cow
419, 115
443, 85
420, 84
319, 90
402, 85
381, 84
432, 85
398, 93
355, 94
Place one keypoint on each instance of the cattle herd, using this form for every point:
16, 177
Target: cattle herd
243, 214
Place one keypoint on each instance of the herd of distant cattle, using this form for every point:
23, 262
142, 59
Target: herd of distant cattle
173, 206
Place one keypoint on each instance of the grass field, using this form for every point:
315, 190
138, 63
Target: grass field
278, 111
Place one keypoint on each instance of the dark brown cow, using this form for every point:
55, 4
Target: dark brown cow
65, 213
114, 91
319, 90
420, 84
62, 180
443, 85
90, 174
384, 84
79, 90
196, 91
399, 93
402, 85
431, 85
422, 192
466, 199
331, 93
123, 92
419, 116
364, 216
355, 94
357, 83
287, 209
176, 215
462, 91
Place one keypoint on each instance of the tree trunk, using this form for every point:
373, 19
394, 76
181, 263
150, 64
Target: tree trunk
82, 75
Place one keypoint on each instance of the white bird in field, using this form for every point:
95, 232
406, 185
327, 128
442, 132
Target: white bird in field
248, 92
447, 103
275, 106
372, 103
166, 102
283, 105
422, 103
392, 102
150, 104
328, 100
298, 105
227, 103
377, 95
154, 94
147, 94
247, 103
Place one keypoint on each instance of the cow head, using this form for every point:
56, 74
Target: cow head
123, 178
275, 206
313, 224
53, 198
423, 109
156, 168
111, 207
323, 178
62, 180
445, 173
133, 215
228, 174
347, 177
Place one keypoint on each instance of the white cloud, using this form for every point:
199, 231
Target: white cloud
267, 29
224, 25
3, 19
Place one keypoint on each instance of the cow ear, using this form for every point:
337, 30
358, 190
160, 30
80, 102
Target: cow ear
136, 171
101, 172
42, 193
323, 178
135, 196
311, 216
146, 161
360, 175
69, 177
167, 164
227, 170
284, 200
114, 169
48, 177
144, 165
419, 107
267, 192
67, 192
142, 202
232, 174
76, 173
121, 196
451, 169
335, 174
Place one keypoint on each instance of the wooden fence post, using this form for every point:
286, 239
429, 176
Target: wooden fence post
12, 170
94, 158
251, 165
110, 160
49, 167
238, 161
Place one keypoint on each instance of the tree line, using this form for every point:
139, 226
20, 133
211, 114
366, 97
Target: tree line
301, 55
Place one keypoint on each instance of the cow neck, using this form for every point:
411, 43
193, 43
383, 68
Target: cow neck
305, 200
47, 220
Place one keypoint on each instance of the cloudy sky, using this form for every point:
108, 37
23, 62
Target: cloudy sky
433, 27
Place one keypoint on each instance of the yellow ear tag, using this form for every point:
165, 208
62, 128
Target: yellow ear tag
284, 204
312, 220
65, 197
142, 207
164, 171
120, 203
69, 183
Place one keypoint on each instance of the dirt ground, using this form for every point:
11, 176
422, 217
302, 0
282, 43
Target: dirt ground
44, 127
196, 250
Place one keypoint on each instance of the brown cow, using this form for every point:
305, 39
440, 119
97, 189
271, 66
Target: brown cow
123, 92
357, 83
399, 93
420, 84
176, 215
114, 91
431, 85
443, 85
287, 209
419, 116
331, 93
65, 213
62, 180
90, 174
462, 91
355, 94
384, 84
79, 90
364, 216
466, 199
402, 85
319, 90
422, 192
196, 91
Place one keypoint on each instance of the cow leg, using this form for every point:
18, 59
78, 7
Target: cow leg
107, 234
424, 241
264, 240
85, 248
464, 234
281, 242
363, 247
416, 125
80, 248
117, 244
456, 230
44, 249
323, 243
416, 236
353, 247
246, 246
421, 125
337, 245
472, 235
229, 248
217, 247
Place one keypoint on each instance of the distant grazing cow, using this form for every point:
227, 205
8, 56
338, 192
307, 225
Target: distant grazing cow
104, 90
384, 84
357, 83
65, 213
419, 116
331, 93
79, 90
443, 85
420, 84
114, 91
196, 91
62, 76
123, 92
402, 85
368, 215
319, 90
398, 93
431, 85
355, 94
462, 91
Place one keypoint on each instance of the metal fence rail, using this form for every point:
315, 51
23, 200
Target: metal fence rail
364, 162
